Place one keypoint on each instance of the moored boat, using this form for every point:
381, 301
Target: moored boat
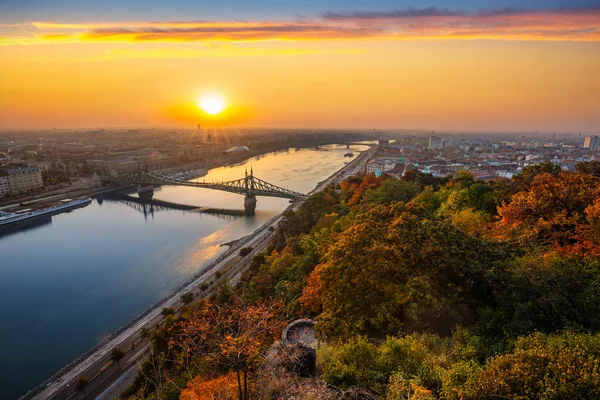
11, 218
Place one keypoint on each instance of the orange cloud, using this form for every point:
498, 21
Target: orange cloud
577, 24
234, 32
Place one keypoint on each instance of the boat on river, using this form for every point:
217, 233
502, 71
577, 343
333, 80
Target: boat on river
23, 215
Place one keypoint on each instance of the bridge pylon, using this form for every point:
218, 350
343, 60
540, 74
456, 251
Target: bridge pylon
145, 192
249, 196
250, 204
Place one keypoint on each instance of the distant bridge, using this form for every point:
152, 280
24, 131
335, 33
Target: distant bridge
249, 186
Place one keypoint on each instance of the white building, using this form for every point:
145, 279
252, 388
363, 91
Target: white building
379, 165
592, 142
20, 180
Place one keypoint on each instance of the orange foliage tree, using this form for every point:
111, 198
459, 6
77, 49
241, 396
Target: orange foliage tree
368, 182
224, 387
235, 335
552, 210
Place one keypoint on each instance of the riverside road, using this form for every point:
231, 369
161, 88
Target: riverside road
109, 379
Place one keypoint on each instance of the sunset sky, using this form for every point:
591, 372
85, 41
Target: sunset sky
503, 65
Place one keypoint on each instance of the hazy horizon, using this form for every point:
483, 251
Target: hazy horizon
494, 65
271, 129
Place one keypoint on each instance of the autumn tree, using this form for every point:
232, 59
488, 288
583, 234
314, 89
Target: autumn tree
394, 270
550, 211
234, 335
369, 182
524, 180
223, 387
590, 232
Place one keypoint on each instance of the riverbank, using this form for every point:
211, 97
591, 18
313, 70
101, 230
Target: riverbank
97, 357
230, 265
44, 198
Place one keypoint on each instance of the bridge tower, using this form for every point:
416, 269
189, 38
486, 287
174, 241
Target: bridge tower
249, 198
145, 192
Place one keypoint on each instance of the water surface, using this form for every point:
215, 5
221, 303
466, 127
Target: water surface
70, 280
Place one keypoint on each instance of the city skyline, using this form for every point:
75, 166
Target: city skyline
496, 66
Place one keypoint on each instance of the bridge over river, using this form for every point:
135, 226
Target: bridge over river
249, 186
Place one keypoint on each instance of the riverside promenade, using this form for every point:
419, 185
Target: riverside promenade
108, 378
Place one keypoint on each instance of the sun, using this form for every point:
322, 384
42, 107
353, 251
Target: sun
211, 103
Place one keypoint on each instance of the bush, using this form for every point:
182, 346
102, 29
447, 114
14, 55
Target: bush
244, 251
167, 311
563, 366
187, 298
82, 382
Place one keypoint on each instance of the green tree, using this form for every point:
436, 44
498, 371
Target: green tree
589, 167
244, 251
423, 180
187, 297
117, 354
545, 294
392, 190
394, 270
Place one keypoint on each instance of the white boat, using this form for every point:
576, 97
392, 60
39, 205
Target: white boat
11, 218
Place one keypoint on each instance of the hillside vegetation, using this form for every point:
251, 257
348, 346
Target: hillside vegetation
422, 288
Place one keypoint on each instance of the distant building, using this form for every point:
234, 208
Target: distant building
592, 142
435, 142
110, 167
383, 144
20, 179
397, 171
505, 174
4, 189
127, 165
482, 174
379, 166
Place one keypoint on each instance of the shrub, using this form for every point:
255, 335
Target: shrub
545, 366
244, 251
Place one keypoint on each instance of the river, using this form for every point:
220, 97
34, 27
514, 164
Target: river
69, 281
